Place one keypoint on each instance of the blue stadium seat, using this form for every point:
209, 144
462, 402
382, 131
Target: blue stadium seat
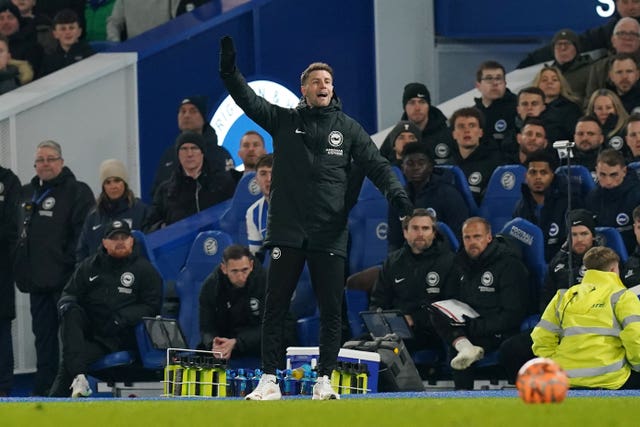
233, 221
449, 236
368, 228
454, 176
580, 175
171, 245
531, 241
503, 192
635, 167
611, 238
205, 255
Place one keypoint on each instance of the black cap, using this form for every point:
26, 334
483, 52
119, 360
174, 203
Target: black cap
566, 34
199, 101
11, 8
583, 217
415, 90
189, 137
117, 227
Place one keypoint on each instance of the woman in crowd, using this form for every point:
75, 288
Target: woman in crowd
116, 201
563, 109
607, 107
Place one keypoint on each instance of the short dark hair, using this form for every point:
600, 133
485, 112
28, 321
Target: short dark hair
634, 117
417, 213
542, 156
622, 57
467, 112
534, 121
488, 65
611, 157
235, 252
600, 258
265, 161
315, 67
253, 132
532, 90
416, 148
589, 118
65, 16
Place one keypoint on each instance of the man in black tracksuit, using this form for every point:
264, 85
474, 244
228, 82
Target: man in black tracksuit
630, 273
313, 148
426, 190
616, 196
493, 281
416, 103
544, 200
9, 200
561, 274
477, 159
106, 297
420, 272
231, 306
55, 206
193, 187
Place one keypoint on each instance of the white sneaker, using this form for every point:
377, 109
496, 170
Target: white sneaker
323, 390
80, 387
466, 357
267, 389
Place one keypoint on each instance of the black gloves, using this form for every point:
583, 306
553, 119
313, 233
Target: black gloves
227, 56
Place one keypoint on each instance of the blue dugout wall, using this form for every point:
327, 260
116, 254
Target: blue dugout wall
275, 40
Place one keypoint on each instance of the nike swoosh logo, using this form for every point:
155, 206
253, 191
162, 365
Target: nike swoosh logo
92, 278
95, 227
399, 280
168, 164
300, 131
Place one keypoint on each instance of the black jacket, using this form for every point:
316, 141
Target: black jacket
496, 285
409, 282
498, 117
442, 197
9, 202
577, 74
9, 79
231, 312
551, 218
93, 228
60, 58
478, 168
313, 149
182, 196
630, 273
49, 235
614, 207
560, 118
558, 275
109, 289
435, 135
593, 38
216, 156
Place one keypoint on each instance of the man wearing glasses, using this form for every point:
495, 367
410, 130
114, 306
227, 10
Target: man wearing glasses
497, 103
54, 208
625, 39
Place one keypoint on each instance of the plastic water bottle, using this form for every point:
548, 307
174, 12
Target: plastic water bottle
241, 383
257, 374
290, 384
301, 371
307, 383
231, 375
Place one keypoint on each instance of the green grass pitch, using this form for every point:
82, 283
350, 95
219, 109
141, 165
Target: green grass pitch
393, 412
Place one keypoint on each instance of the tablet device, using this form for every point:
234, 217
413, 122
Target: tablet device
385, 322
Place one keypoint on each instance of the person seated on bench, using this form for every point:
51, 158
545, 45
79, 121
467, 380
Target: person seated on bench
107, 295
232, 304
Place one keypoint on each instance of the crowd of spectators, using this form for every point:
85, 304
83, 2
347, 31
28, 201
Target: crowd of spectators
572, 97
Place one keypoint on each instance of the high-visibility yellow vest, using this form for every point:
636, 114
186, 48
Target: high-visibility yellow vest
592, 330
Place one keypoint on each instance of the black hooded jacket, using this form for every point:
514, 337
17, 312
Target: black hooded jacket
9, 201
313, 150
